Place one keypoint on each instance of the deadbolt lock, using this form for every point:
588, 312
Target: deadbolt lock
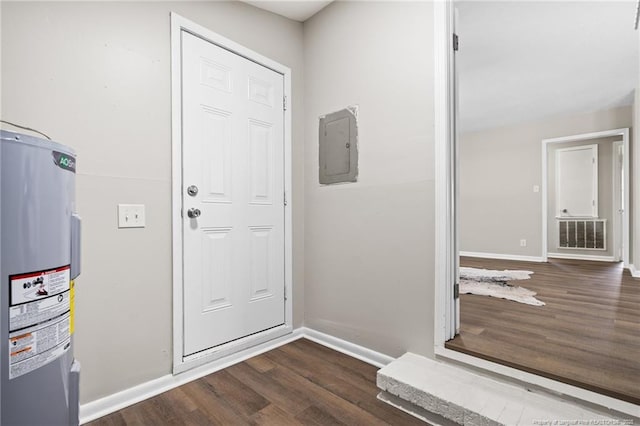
192, 190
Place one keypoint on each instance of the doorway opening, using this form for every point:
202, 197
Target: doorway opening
611, 194
589, 286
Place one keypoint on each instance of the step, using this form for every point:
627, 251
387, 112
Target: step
444, 393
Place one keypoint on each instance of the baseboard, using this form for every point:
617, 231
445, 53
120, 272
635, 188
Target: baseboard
356, 351
117, 401
582, 257
634, 272
501, 256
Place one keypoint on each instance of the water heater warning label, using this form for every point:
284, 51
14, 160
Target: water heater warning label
39, 319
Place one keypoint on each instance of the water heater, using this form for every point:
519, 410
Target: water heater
39, 260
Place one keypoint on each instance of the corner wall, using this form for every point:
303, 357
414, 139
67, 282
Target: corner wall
96, 76
498, 170
369, 246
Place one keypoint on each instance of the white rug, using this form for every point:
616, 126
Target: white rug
485, 282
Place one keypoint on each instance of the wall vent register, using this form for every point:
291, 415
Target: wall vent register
582, 234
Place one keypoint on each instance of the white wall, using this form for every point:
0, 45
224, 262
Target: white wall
96, 76
498, 169
369, 246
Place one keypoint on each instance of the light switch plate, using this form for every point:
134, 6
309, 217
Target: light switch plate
131, 216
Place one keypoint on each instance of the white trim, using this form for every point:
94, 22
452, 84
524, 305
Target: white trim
176, 187
624, 133
119, 400
528, 380
581, 257
355, 351
579, 218
617, 200
501, 256
209, 355
180, 362
634, 272
445, 252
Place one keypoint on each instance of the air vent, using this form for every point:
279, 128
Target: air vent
582, 234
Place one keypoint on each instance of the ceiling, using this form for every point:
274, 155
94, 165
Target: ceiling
524, 61
298, 10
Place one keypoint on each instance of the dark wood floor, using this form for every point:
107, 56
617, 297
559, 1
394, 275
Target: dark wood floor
587, 335
299, 383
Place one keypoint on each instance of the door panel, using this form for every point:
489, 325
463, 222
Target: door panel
577, 181
233, 151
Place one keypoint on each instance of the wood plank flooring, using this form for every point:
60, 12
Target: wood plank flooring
587, 334
301, 383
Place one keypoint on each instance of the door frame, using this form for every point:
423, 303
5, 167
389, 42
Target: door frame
617, 200
447, 316
180, 361
624, 134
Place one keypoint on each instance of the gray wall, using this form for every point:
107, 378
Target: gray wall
605, 195
96, 76
498, 169
369, 246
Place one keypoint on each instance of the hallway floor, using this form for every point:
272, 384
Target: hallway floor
301, 383
587, 334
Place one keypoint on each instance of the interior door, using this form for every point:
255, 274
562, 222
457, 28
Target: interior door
577, 181
233, 189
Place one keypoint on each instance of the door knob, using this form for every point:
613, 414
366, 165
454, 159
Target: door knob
193, 213
192, 190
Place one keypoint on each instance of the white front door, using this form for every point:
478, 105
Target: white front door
233, 157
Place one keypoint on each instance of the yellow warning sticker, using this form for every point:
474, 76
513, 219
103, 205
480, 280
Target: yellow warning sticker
72, 307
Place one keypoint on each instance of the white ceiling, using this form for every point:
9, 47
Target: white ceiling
298, 10
523, 61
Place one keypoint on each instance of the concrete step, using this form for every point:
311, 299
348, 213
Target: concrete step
447, 394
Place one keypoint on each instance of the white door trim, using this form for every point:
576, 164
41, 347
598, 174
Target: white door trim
445, 236
617, 200
180, 362
624, 133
